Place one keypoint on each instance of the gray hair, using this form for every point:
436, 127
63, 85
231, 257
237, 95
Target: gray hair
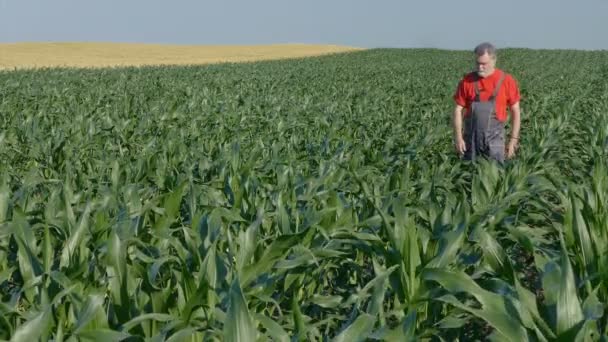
484, 48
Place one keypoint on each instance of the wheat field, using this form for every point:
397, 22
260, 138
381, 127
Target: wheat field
93, 55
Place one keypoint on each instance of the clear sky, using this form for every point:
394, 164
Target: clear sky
450, 24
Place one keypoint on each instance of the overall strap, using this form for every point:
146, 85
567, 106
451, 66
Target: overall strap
497, 88
502, 77
476, 88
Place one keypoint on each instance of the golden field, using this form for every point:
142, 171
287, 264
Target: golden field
37, 55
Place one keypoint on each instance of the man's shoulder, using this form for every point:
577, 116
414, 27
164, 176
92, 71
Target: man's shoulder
509, 79
468, 79
508, 76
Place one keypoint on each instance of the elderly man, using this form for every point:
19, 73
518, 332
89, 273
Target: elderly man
484, 96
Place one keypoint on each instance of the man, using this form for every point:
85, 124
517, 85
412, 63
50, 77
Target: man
482, 98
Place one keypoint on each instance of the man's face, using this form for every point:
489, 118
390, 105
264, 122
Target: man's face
484, 64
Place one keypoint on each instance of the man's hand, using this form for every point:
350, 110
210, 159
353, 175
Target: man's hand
511, 148
460, 145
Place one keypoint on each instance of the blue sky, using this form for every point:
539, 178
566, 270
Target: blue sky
581, 24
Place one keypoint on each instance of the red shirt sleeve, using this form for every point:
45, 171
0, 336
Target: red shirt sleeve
513, 95
459, 95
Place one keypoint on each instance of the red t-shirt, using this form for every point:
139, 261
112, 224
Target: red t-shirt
508, 93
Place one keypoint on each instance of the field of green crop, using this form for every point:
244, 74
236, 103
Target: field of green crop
303, 200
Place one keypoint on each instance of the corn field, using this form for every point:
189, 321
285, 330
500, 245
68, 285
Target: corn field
314, 199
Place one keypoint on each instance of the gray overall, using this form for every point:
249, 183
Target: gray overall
484, 134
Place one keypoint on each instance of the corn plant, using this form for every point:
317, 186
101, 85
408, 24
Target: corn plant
313, 199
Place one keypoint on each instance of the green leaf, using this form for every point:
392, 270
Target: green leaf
238, 326
146, 317
450, 243
274, 330
186, 334
359, 330
4, 200
173, 201
407, 328
29, 265
581, 230
117, 270
300, 326
77, 237
92, 307
593, 309
327, 302
47, 250
560, 294
247, 243
531, 316
272, 254
375, 306
34, 328
103, 335
493, 252
498, 310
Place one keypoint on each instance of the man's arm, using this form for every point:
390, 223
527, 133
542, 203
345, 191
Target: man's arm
457, 127
515, 121
457, 122
460, 99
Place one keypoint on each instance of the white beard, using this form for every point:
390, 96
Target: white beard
484, 73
